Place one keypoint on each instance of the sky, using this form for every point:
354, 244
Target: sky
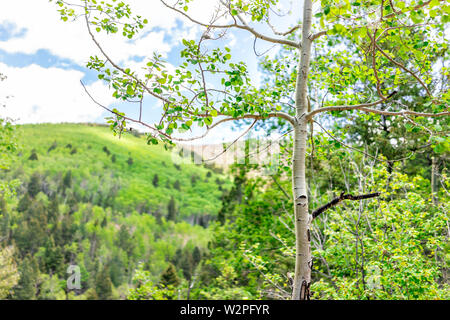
44, 60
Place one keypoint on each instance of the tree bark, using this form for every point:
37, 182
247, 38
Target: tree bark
303, 261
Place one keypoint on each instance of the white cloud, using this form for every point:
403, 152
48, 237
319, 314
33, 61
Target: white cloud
50, 95
45, 30
55, 94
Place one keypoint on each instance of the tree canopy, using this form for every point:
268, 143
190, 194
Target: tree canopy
339, 61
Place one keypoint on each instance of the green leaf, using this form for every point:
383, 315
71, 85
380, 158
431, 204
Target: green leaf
208, 120
130, 90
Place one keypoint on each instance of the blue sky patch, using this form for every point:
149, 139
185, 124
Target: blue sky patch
9, 30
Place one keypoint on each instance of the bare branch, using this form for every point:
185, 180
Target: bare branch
260, 54
278, 33
342, 197
281, 188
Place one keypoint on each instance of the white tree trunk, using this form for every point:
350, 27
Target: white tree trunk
303, 261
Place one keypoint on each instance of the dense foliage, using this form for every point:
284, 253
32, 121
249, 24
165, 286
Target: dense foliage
392, 247
373, 76
81, 208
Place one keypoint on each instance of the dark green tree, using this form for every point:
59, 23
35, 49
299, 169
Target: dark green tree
52, 147
34, 186
53, 259
67, 180
103, 285
125, 240
193, 180
155, 180
171, 210
196, 256
234, 196
170, 277
106, 150
117, 270
53, 210
177, 257
187, 265
33, 155
26, 288
24, 203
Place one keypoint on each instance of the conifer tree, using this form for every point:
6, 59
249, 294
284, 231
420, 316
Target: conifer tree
33, 155
155, 180
26, 287
196, 256
53, 210
34, 186
171, 210
103, 285
187, 265
67, 180
170, 277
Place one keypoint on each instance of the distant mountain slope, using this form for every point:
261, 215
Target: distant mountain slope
105, 205
125, 171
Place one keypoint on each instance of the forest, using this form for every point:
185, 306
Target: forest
352, 205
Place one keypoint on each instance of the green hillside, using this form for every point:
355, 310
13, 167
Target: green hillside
104, 204
81, 149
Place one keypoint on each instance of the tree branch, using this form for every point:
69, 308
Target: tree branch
247, 116
347, 107
244, 26
120, 68
366, 108
341, 198
386, 17
404, 69
398, 12
280, 187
